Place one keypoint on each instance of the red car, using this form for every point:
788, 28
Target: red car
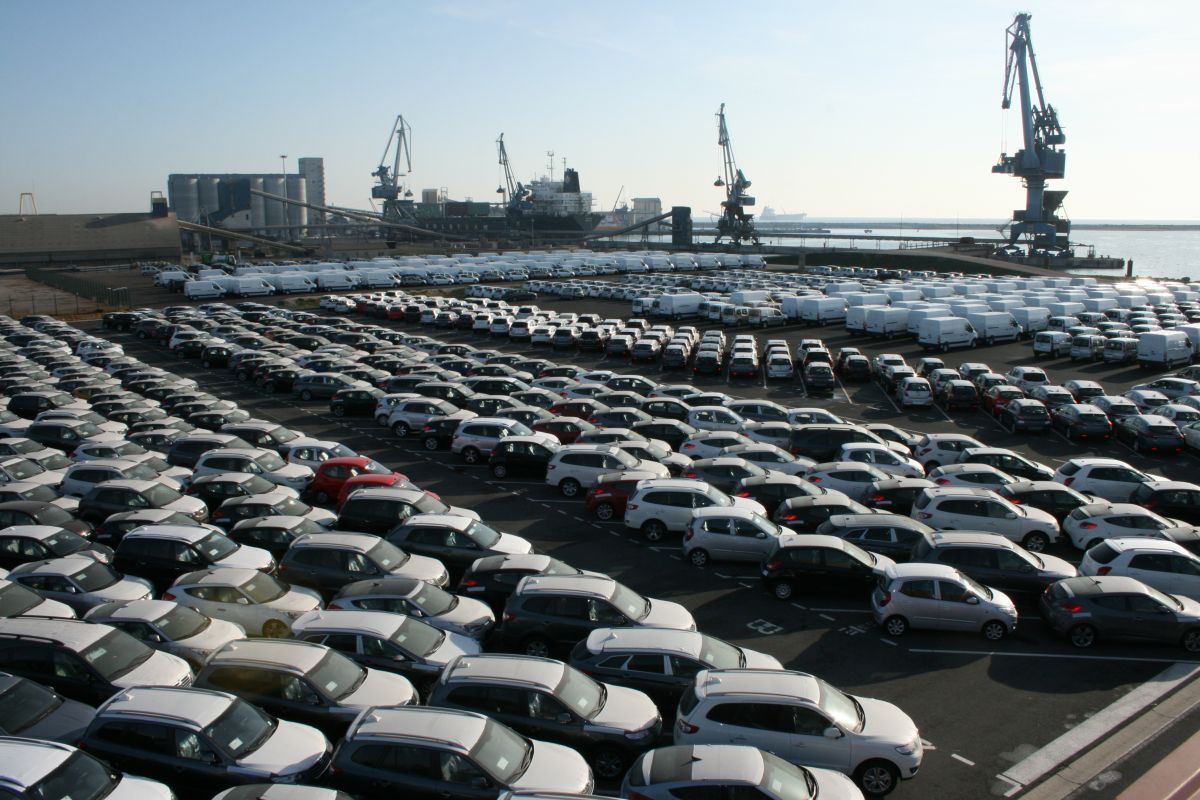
998, 396
331, 475
583, 409
565, 429
607, 499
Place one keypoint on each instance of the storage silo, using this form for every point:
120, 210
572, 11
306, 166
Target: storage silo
297, 216
187, 199
210, 195
258, 211
275, 184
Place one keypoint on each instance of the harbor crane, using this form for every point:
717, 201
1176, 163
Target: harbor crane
513, 191
1040, 159
734, 222
390, 189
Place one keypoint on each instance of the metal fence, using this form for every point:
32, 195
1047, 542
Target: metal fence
107, 296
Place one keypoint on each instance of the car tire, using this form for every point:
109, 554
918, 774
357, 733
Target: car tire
499, 471
275, 629
339, 411
1082, 636
653, 530
322, 498
306, 395
1191, 640
536, 646
401, 430
895, 625
430, 443
470, 455
608, 763
782, 590
605, 512
569, 487
994, 630
698, 557
877, 778
1035, 542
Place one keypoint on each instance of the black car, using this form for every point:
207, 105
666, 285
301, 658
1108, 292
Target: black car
1149, 434
818, 378
19, 545
1052, 497
1174, 499
855, 368
217, 488
119, 320
492, 579
895, 495
29, 404
32, 512
708, 362
455, 541
771, 490
824, 564
1081, 421
1023, 414
115, 526
994, 561
822, 442
354, 402
36, 712
890, 535
63, 434
521, 456
438, 433
379, 510
804, 514
186, 451
672, 431
723, 472
273, 534
1016, 465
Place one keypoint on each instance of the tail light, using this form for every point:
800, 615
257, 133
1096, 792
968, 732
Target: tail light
1014, 501
508, 616
884, 599
813, 479
743, 494
550, 467
789, 518
334, 606
687, 537
631, 506
597, 495
773, 565
925, 450
426, 428
468, 582
1087, 526
1073, 608
1104, 570
684, 727
877, 498
689, 475
1068, 481
168, 596
923, 515
942, 481
689, 446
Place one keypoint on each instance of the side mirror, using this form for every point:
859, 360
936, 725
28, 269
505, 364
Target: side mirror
1010, 515
242, 601
760, 535
480, 782
563, 718
972, 600
833, 732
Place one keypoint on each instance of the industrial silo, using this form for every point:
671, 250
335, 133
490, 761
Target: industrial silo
187, 199
210, 195
276, 185
297, 216
258, 211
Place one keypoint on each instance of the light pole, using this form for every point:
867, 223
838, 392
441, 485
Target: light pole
283, 168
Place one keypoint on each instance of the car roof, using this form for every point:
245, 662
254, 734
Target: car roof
218, 576
684, 484
958, 491
184, 533
600, 585
63, 565
38, 532
460, 729
375, 623
293, 655
74, 633
758, 682
194, 705
342, 540
1143, 543
914, 569
811, 540
1104, 584
27, 761
455, 521
659, 640
948, 538
722, 511
400, 587
722, 763
546, 673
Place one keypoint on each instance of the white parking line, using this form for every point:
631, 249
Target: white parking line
966, 761
1030, 654
1099, 725
845, 394
827, 617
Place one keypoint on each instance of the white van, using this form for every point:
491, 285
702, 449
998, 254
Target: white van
944, 333
329, 281
292, 282
856, 318
886, 322
1031, 319
201, 290
169, 276
253, 286
994, 326
1164, 349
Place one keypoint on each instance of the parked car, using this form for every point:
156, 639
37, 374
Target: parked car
1087, 609
939, 597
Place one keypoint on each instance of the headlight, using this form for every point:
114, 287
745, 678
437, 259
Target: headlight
638, 735
910, 748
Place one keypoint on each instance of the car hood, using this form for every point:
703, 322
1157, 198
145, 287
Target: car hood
1058, 568
1191, 608
323, 517
421, 568
665, 614
65, 724
291, 748
749, 505
554, 768
512, 545
467, 615
886, 725
758, 660
68, 504
626, 710
379, 689
124, 591
188, 505
46, 478
160, 669
298, 598
882, 562
453, 646
218, 634
463, 512
133, 788
290, 473
52, 608
248, 557
1037, 515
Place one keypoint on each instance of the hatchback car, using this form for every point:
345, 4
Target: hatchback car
327, 561
1106, 478
455, 541
53, 769
439, 608
885, 534
664, 505
729, 534
993, 560
1161, 564
1090, 608
939, 597
260, 604
810, 562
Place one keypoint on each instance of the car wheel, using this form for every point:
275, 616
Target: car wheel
322, 498
275, 629
994, 630
1035, 542
381, 421
401, 430
1082, 635
339, 411
877, 778
206, 364
306, 395
605, 512
470, 455
537, 647
569, 487
895, 626
1191, 641
654, 531
945, 347
698, 557
782, 590
608, 763
430, 443
499, 471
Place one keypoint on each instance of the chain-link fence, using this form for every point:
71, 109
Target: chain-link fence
111, 297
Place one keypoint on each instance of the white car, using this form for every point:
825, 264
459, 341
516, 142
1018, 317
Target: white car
881, 457
1028, 378
575, 467
1089, 525
769, 456
265, 463
714, 418
1106, 478
312, 454
1182, 415
262, 605
170, 627
914, 391
976, 475
659, 506
851, 478
710, 444
1165, 565
936, 449
45, 765
962, 508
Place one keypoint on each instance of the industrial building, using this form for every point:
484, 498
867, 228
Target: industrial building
226, 199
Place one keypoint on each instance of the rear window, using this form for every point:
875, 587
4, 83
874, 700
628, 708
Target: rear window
921, 501
688, 702
1103, 553
1069, 468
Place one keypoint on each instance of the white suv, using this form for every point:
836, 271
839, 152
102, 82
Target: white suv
475, 438
1106, 478
802, 719
935, 449
960, 508
659, 506
576, 467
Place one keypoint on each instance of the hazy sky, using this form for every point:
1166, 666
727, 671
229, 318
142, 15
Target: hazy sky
877, 109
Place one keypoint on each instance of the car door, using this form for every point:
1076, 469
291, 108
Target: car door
846, 574
1153, 620
958, 607
768, 726
812, 748
397, 769
921, 604
749, 542
1186, 576
1153, 569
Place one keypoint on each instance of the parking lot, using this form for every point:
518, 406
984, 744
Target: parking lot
984, 709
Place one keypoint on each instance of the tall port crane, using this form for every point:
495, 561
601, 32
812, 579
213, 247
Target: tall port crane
1038, 224
390, 189
513, 191
734, 222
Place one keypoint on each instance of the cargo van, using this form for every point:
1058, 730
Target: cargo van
994, 326
292, 283
171, 278
856, 318
200, 290
944, 333
885, 322
1061, 323
252, 286
1121, 350
820, 310
917, 315
1165, 349
677, 305
1031, 319
329, 281
1051, 343
1192, 331
746, 297
1087, 347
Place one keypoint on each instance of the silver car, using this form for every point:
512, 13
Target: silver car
169, 627
938, 597
729, 533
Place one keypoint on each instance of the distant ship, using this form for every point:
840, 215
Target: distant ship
769, 215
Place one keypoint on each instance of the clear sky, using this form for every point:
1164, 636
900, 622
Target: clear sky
876, 109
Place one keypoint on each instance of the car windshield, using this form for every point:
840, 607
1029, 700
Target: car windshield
373, 467
241, 730
157, 464
129, 449
21, 446
840, 707
64, 542
482, 535
140, 472
418, 638
263, 588
160, 495
786, 781
283, 435
270, 461
291, 507
53, 462
15, 600
432, 600
24, 704
976, 587
718, 654
21, 469
502, 752
181, 622
115, 654
1164, 598
857, 553
80, 777
216, 546
428, 504
629, 602
580, 693
556, 567
387, 556
336, 676
718, 497
95, 576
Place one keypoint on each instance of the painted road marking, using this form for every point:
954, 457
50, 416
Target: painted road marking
826, 616
888, 641
1029, 654
966, 761
1099, 725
